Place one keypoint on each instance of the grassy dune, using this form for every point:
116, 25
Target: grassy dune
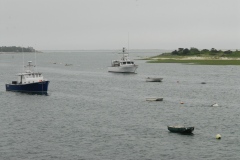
198, 62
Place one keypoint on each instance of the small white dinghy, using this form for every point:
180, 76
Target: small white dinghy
154, 99
214, 105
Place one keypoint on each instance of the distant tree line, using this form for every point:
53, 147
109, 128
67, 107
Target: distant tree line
195, 51
16, 49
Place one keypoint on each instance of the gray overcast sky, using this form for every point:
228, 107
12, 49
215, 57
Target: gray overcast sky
106, 24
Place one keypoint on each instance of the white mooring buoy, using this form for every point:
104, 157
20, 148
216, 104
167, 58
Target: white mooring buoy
218, 136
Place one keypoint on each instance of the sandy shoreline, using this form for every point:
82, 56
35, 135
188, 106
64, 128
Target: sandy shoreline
9, 52
196, 58
17, 52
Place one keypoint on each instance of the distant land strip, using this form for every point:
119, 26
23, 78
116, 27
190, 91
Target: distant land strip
16, 49
196, 56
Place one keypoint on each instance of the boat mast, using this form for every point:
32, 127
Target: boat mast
123, 51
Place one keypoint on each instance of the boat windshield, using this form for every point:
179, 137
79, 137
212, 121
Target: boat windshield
128, 62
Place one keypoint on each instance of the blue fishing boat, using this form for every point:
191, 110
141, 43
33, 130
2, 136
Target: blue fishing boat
29, 82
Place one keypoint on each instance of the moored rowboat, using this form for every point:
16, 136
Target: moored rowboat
149, 79
181, 129
154, 99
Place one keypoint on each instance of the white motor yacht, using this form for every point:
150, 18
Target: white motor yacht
124, 65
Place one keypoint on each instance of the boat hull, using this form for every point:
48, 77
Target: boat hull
182, 130
154, 79
154, 99
38, 88
123, 69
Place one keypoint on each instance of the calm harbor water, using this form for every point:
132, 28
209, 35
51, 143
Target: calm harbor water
92, 114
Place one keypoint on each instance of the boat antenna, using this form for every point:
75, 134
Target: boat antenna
23, 58
128, 42
35, 60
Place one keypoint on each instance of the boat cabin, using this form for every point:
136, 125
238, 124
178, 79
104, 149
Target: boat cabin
116, 63
123, 62
24, 78
29, 76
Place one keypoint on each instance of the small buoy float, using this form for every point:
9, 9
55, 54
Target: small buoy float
218, 136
